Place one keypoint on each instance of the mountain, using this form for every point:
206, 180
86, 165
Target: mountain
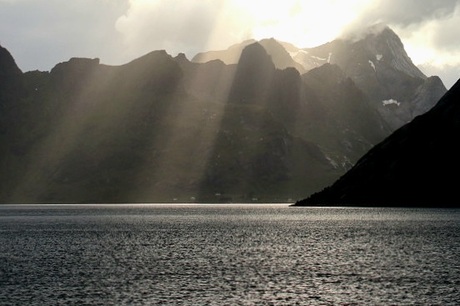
375, 60
381, 68
163, 128
277, 50
414, 166
277, 135
10, 78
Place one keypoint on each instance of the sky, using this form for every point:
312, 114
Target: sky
41, 33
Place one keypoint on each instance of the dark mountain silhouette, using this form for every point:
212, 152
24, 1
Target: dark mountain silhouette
10, 79
160, 129
287, 134
229, 56
277, 50
415, 166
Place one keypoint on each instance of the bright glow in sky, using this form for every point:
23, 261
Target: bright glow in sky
41, 33
303, 23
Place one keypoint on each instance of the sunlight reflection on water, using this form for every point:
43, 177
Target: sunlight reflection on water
227, 254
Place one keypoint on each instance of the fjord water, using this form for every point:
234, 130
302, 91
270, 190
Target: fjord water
227, 255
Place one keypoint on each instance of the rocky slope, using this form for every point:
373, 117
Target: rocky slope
415, 166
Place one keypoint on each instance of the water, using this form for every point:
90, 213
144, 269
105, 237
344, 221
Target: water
227, 255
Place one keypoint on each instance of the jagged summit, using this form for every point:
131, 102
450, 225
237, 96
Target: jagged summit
361, 51
10, 79
7, 63
379, 65
355, 34
229, 56
254, 72
277, 50
388, 47
375, 49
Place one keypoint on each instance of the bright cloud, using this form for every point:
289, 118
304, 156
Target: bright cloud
181, 25
41, 33
304, 23
197, 25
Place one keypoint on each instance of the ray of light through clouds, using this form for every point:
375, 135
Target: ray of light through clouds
41, 33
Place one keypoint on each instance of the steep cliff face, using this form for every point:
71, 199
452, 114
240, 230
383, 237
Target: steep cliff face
379, 65
415, 166
10, 77
253, 76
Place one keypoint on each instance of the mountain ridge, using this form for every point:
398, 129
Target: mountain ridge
374, 59
164, 129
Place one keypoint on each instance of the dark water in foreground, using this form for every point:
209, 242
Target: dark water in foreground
228, 255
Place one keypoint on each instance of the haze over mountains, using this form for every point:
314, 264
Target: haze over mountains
261, 121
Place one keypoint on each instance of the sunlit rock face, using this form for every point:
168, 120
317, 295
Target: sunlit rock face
414, 166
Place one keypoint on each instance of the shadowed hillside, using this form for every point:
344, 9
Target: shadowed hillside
415, 166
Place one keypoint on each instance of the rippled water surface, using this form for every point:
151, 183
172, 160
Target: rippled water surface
227, 255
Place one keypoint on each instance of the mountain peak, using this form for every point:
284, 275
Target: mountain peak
385, 45
255, 55
355, 35
7, 63
253, 75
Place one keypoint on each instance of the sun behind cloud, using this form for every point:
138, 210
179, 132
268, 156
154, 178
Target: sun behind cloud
304, 23
200, 25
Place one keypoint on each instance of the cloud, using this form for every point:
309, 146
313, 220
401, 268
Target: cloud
433, 45
403, 13
188, 26
193, 26
449, 73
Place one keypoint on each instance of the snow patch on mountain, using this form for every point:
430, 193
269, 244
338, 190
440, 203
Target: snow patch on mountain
332, 162
379, 57
372, 65
296, 53
319, 58
390, 101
